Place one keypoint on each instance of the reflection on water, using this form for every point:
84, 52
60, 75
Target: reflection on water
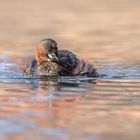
69, 107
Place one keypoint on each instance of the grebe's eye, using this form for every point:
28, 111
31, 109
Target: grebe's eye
55, 48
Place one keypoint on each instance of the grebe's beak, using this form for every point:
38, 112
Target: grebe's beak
53, 57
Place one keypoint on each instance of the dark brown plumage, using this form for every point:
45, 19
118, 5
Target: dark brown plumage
49, 61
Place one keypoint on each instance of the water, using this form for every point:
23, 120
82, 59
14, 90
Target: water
71, 108
107, 107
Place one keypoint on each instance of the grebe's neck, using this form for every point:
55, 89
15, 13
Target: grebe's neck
40, 55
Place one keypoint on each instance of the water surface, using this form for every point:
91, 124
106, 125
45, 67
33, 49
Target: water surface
70, 107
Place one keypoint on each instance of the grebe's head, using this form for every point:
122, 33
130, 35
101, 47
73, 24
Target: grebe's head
47, 51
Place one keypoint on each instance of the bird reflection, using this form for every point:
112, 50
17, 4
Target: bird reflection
60, 83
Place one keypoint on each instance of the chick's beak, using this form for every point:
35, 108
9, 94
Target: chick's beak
53, 57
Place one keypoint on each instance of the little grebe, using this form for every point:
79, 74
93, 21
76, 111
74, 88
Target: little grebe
49, 61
